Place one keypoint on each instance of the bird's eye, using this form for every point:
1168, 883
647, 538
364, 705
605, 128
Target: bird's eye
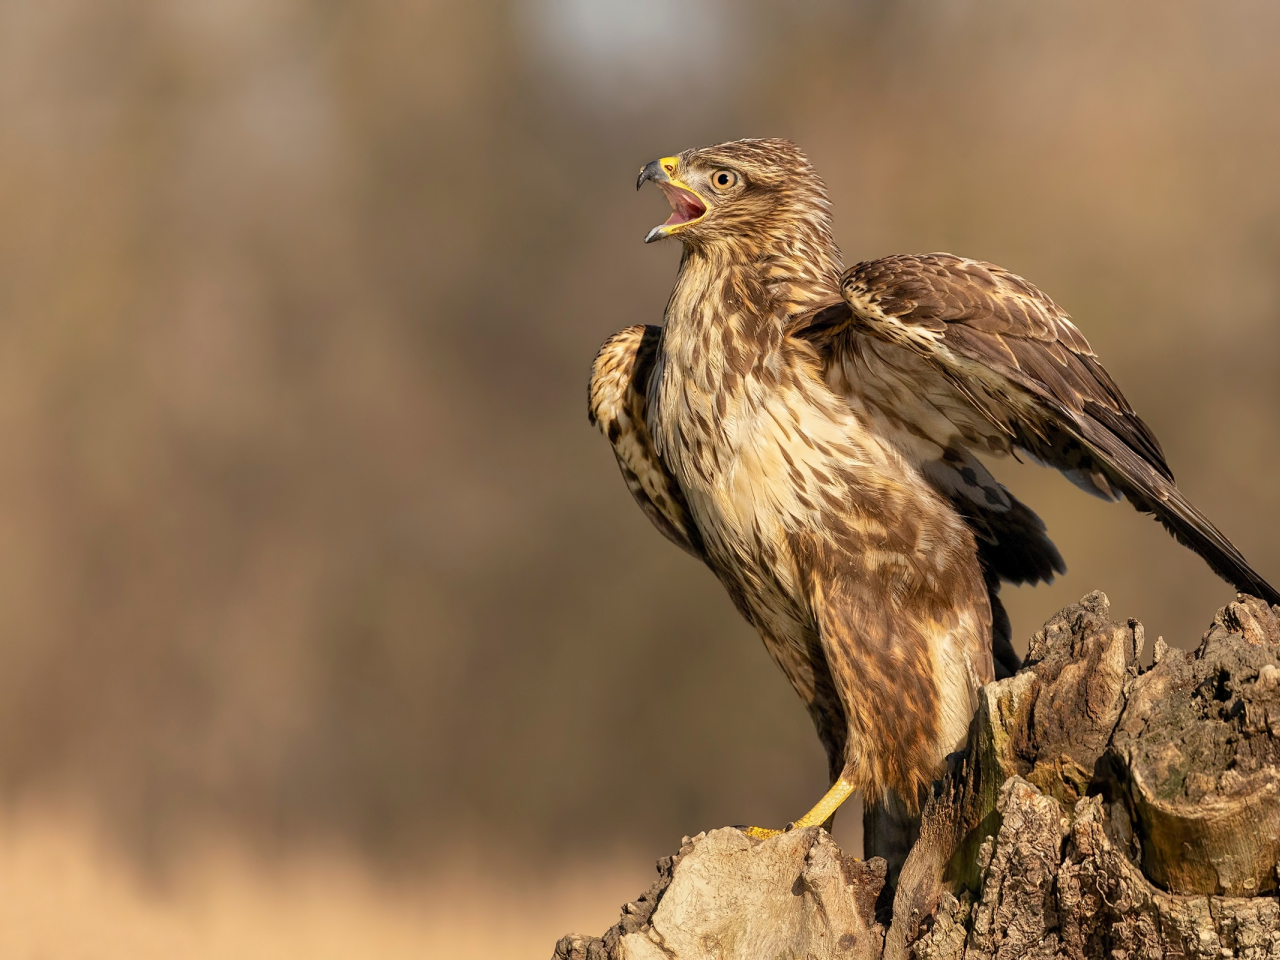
723, 179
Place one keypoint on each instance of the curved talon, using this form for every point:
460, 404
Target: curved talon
759, 833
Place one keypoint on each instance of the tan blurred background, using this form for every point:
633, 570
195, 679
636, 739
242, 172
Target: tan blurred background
327, 627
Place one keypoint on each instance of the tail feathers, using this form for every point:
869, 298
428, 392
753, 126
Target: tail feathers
1006, 659
1012, 541
1014, 544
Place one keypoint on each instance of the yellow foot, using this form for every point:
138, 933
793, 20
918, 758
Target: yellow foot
825, 807
837, 795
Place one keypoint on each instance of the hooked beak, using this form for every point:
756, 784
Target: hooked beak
686, 205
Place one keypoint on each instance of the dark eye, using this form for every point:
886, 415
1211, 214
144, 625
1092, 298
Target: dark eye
723, 179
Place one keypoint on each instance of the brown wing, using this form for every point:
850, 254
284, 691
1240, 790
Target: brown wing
902, 396
1003, 347
617, 399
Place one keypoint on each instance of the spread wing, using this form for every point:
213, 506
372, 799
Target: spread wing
617, 400
1022, 377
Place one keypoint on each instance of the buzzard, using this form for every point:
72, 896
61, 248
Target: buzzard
810, 434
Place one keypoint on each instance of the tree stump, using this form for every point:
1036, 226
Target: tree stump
1099, 810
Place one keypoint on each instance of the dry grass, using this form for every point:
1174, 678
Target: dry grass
65, 895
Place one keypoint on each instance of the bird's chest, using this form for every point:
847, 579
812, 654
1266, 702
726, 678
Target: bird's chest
764, 457
763, 451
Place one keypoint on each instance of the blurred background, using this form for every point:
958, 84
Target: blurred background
327, 626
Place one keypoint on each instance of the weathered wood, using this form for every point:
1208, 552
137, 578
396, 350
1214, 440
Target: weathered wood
1099, 810
1198, 756
729, 896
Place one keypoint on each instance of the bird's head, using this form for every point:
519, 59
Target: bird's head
742, 192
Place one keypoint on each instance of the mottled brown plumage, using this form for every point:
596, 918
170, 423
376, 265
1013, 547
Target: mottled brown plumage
809, 434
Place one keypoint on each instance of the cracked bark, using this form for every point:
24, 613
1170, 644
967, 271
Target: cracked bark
1099, 810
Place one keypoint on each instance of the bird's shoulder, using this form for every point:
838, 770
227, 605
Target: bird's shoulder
617, 405
620, 375
929, 293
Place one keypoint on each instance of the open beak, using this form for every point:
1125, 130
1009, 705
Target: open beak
686, 205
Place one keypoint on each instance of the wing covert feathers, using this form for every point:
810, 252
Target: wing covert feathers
1016, 358
617, 400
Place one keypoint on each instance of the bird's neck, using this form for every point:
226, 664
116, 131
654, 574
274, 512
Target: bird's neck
733, 302
801, 270
723, 342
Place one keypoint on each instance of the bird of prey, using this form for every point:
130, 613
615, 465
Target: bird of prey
810, 433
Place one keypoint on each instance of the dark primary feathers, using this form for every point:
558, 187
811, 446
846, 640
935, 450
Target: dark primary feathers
1017, 360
